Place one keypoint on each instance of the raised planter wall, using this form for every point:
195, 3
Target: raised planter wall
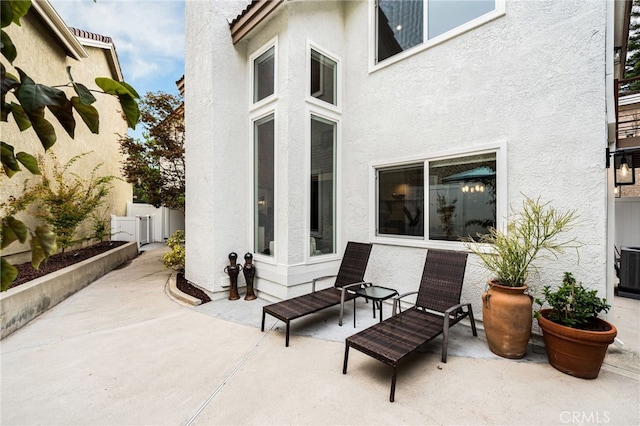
21, 304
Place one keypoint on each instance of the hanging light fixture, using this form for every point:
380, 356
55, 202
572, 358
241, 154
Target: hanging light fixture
624, 170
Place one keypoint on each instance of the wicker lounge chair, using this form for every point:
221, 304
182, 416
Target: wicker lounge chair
350, 275
437, 308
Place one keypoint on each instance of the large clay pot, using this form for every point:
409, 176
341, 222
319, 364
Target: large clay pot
574, 351
507, 318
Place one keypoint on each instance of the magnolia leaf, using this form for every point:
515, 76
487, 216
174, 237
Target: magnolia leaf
85, 95
19, 8
29, 161
9, 272
6, 12
45, 131
13, 230
5, 111
88, 114
9, 81
22, 120
64, 114
132, 91
130, 109
9, 51
33, 96
113, 87
43, 245
9, 161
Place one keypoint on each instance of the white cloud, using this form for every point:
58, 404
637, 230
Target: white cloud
148, 34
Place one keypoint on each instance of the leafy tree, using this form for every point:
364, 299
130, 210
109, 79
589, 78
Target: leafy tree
632, 63
156, 165
28, 105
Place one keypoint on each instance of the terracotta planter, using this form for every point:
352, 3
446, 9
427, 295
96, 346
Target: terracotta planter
573, 351
507, 318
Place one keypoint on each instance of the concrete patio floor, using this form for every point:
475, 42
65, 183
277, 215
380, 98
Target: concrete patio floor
121, 351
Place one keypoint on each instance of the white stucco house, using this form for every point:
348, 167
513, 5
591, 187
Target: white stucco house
407, 124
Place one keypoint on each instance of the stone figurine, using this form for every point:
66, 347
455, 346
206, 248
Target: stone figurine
233, 270
249, 271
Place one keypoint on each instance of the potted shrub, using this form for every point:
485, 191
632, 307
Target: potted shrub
532, 233
575, 338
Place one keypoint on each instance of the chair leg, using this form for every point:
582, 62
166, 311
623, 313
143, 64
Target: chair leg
473, 321
263, 314
393, 384
445, 342
346, 358
286, 342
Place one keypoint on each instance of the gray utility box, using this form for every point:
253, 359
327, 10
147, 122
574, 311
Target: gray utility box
629, 272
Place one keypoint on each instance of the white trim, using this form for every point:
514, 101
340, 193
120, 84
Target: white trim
112, 53
59, 28
428, 43
499, 148
273, 97
339, 78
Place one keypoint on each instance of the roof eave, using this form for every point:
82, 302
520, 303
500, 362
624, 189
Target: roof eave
255, 13
59, 28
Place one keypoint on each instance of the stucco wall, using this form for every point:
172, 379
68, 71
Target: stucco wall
531, 80
42, 57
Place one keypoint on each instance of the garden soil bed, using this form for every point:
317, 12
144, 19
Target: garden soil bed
26, 272
186, 287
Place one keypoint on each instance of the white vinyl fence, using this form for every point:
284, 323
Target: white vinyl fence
146, 224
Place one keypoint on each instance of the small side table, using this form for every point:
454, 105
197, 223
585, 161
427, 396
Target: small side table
377, 295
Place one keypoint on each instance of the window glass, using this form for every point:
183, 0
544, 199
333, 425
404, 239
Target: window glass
445, 15
263, 75
401, 201
322, 190
462, 196
264, 185
400, 26
323, 77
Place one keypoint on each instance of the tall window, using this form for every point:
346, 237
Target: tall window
264, 75
322, 187
323, 77
459, 200
403, 24
264, 223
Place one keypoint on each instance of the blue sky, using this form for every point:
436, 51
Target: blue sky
148, 35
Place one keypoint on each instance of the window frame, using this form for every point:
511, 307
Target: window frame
273, 43
338, 83
500, 150
374, 65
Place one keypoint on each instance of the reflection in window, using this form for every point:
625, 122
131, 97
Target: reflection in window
462, 196
323, 77
400, 23
263, 133
400, 26
322, 203
401, 201
263, 75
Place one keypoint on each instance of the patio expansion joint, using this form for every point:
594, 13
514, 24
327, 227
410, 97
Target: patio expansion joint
244, 359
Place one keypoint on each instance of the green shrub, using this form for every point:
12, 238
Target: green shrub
573, 305
175, 258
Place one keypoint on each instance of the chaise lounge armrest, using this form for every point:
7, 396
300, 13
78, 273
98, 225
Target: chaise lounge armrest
313, 283
396, 301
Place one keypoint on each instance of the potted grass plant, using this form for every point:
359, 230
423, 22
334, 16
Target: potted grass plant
575, 338
534, 232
